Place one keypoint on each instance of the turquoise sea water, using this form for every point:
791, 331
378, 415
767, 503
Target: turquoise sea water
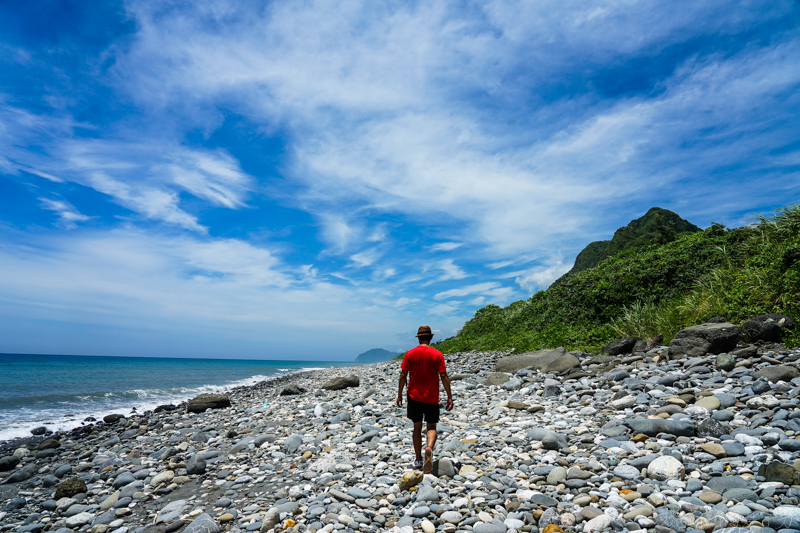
59, 391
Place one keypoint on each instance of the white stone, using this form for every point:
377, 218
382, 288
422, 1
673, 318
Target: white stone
598, 523
789, 511
697, 411
427, 526
624, 403
79, 519
458, 503
513, 523
665, 467
748, 440
765, 400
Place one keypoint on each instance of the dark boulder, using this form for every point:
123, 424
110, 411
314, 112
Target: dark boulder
620, 346
15, 504
165, 407
113, 419
342, 383
652, 427
21, 474
292, 390
711, 428
69, 488
8, 462
49, 444
777, 471
41, 430
705, 338
726, 361
196, 464
767, 327
200, 403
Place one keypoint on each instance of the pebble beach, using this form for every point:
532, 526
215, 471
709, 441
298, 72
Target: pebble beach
580, 442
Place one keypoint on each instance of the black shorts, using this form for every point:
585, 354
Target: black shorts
416, 411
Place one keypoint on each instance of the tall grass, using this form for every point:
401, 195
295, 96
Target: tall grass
649, 318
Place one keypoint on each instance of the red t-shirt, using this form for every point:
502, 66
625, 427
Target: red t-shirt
424, 364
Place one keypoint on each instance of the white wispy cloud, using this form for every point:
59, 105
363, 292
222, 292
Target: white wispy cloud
540, 278
67, 214
470, 289
445, 246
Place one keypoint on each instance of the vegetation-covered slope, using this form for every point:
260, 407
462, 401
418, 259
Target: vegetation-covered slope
659, 288
657, 226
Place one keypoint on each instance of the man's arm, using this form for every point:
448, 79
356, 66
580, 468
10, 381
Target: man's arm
446, 382
400, 386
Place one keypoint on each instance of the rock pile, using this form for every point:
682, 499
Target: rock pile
655, 441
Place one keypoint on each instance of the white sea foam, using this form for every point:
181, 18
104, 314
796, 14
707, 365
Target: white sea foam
72, 414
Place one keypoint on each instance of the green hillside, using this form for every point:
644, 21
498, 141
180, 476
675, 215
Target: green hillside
657, 226
656, 288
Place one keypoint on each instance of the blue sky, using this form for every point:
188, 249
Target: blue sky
314, 179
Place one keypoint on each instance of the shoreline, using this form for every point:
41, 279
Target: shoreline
77, 417
270, 382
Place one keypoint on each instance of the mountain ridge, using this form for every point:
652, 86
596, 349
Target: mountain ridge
657, 226
376, 355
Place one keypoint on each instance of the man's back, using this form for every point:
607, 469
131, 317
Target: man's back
424, 364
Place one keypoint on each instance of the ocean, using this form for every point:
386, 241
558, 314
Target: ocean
60, 391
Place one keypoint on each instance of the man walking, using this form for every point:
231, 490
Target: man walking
426, 366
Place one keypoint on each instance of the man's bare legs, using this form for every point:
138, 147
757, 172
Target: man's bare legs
416, 437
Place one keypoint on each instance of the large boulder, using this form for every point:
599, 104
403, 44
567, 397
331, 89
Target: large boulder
292, 390
620, 346
556, 360
777, 373
693, 347
196, 464
767, 327
21, 474
705, 338
70, 487
49, 444
496, 379
653, 426
550, 439
342, 383
8, 462
200, 403
777, 471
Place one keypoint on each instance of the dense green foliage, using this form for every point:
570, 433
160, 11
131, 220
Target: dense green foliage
657, 226
658, 288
